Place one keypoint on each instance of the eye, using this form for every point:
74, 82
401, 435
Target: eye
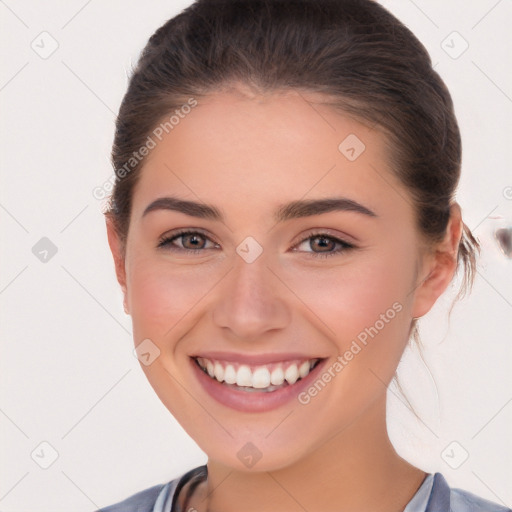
190, 241
325, 242
196, 242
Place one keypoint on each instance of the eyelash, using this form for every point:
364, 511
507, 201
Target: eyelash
166, 242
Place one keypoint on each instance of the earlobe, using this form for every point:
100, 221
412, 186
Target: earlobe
115, 245
439, 266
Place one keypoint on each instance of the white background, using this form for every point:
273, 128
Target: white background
68, 375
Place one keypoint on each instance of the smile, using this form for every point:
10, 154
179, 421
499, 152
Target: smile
257, 378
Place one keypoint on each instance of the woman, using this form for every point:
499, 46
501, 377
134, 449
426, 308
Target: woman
283, 214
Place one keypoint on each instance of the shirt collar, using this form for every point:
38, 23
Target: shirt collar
436, 486
439, 500
420, 499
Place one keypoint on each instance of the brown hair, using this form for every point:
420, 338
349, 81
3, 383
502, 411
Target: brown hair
353, 51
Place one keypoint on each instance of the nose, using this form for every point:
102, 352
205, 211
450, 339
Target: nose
251, 301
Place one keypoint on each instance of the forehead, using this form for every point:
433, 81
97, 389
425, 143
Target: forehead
275, 147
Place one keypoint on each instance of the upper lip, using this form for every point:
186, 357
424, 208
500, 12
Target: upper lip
255, 359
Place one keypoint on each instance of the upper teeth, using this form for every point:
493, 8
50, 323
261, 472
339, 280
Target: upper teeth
262, 376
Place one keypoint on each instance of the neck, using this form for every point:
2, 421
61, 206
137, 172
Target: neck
356, 470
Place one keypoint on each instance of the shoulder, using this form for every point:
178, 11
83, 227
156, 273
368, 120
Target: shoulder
447, 499
142, 501
155, 498
465, 501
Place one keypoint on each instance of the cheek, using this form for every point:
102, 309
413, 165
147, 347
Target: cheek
365, 307
161, 296
348, 299
162, 301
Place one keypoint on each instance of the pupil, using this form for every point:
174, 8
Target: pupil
324, 241
193, 239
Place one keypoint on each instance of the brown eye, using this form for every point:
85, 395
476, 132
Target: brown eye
323, 245
322, 242
192, 241
188, 241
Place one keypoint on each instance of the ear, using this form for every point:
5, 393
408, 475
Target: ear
119, 261
439, 266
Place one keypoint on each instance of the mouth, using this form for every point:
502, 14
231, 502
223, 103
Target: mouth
263, 378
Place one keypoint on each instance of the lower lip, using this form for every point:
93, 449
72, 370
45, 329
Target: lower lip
253, 401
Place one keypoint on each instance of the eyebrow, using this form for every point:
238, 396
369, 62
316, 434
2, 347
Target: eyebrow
292, 210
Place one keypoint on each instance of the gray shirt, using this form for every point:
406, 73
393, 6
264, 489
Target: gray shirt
434, 495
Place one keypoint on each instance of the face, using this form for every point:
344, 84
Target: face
293, 277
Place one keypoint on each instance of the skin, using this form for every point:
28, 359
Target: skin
247, 154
